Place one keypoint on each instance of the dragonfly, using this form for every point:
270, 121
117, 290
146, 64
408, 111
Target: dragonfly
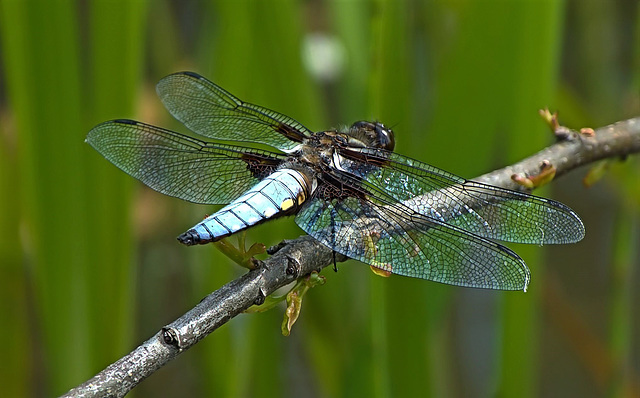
346, 187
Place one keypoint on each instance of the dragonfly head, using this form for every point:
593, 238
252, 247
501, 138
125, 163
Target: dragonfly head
373, 134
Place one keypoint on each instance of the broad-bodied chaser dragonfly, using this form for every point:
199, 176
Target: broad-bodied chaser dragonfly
347, 187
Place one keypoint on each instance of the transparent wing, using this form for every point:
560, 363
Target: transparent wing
481, 209
212, 112
366, 225
181, 166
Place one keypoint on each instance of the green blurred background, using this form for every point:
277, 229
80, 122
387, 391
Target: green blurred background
90, 266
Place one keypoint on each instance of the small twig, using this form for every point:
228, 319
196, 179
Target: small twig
576, 149
301, 256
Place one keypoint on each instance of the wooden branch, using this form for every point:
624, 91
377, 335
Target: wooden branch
299, 257
574, 149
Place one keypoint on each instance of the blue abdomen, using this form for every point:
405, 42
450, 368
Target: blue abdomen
281, 193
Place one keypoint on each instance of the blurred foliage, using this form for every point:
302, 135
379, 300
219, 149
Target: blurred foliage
90, 266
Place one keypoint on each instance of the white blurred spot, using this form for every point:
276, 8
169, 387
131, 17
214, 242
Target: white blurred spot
323, 55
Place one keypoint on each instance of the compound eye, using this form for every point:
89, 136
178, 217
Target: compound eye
362, 124
375, 134
385, 137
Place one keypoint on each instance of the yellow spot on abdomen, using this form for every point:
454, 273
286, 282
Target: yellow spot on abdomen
301, 198
287, 204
